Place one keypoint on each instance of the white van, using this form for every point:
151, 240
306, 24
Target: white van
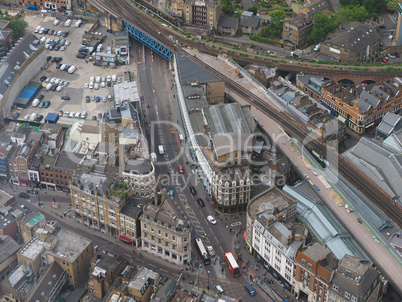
34, 116
99, 48
56, 22
67, 23
72, 69
114, 78
317, 47
96, 86
78, 115
84, 114
35, 103
154, 158
98, 79
91, 80
161, 150
63, 66
49, 86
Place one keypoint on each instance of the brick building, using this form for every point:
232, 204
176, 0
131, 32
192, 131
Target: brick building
297, 29
203, 13
313, 270
60, 5
365, 106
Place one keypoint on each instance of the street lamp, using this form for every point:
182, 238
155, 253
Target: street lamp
208, 281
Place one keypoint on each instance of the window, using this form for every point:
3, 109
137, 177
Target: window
173, 246
347, 295
309, 266
174, 238
166, 235
335, 287
303, 262
152, 237
145, 235
146, 244
159, 240
159, 232
153, 247
167, 244
145, 225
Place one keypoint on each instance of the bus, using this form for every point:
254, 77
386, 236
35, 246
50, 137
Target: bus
202, 251
232, 264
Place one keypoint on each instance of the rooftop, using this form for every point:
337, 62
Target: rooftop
93, 181
8, 247
228, 22
138, 166
126, 92
249, 21
32, 218
355, 37
190, 72
47, 284
6, 221
142, 277
272, 201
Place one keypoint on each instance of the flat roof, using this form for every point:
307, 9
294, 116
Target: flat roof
34, 220
190, 71
126, 92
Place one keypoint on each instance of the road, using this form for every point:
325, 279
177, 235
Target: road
162, 113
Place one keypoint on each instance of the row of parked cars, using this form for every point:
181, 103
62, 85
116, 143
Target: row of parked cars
77, 115
98, 81
68, 68
55, 44
47, 31
33, 117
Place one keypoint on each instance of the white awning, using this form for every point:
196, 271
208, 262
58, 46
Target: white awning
341, 118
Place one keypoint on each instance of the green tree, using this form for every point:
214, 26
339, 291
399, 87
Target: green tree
277, 16
18, 26
253, 9
238, 14
123, 195
392, 5
323, 25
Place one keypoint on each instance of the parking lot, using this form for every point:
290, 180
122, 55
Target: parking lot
76, 90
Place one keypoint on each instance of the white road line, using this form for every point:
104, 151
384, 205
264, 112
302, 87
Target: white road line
128, 255
163, 270
151, 265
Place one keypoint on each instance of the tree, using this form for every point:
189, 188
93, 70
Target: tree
253, 9
392, 5
238, 14
323, 25
18, 27
276, 25
277, 16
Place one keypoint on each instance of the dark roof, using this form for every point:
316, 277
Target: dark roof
228, 22
93, 181
131, 210
47, 283
8, 247
301, 20
190, 71
68, 160
249, 21
316, 7
355, 36
18, 56
138, 166
6, 221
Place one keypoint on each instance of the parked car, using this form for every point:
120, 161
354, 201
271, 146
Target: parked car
218, 288
65, 97
80, 56
27, 117
40, 97
59, 88
47, 104
97, 99
41, 104
16, 115
39, 118
87, 99
99, 116
61, 113
384, 60
104, 99
48, 58
180, 168
94, 118
43, 78
92, 98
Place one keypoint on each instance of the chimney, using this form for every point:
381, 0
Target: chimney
158, 199
289, 240
389, 91
375, 92
270, 220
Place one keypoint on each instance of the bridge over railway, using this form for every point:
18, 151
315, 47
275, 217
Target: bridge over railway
125, 14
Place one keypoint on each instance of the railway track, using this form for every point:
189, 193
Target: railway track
351, 173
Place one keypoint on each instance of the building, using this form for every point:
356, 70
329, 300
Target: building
227, 25
6, 148
8, 223
28, 225
398, 32
121, 43
27, 142
165, 232
95, 202
313, 271
364, 106
231, 189
105, 268
8, 255
272, 201
391, 123
379, 162
71, 251
327, 127
56, 5
326, 6
130, 225
249, 23
141, 287
17, 70
275, 246
6, 41
296, 30
204, 13
355, 281
49, 285
311, 85
354, 42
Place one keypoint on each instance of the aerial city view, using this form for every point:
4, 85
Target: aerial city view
200, 150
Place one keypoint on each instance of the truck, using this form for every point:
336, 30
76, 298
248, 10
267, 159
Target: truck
78, 23
99, 48
294, 55
154, 158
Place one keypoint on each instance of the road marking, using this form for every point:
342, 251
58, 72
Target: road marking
235, 223
151, 265
163, 270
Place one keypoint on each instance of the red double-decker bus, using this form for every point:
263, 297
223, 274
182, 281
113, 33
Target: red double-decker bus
232, 264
